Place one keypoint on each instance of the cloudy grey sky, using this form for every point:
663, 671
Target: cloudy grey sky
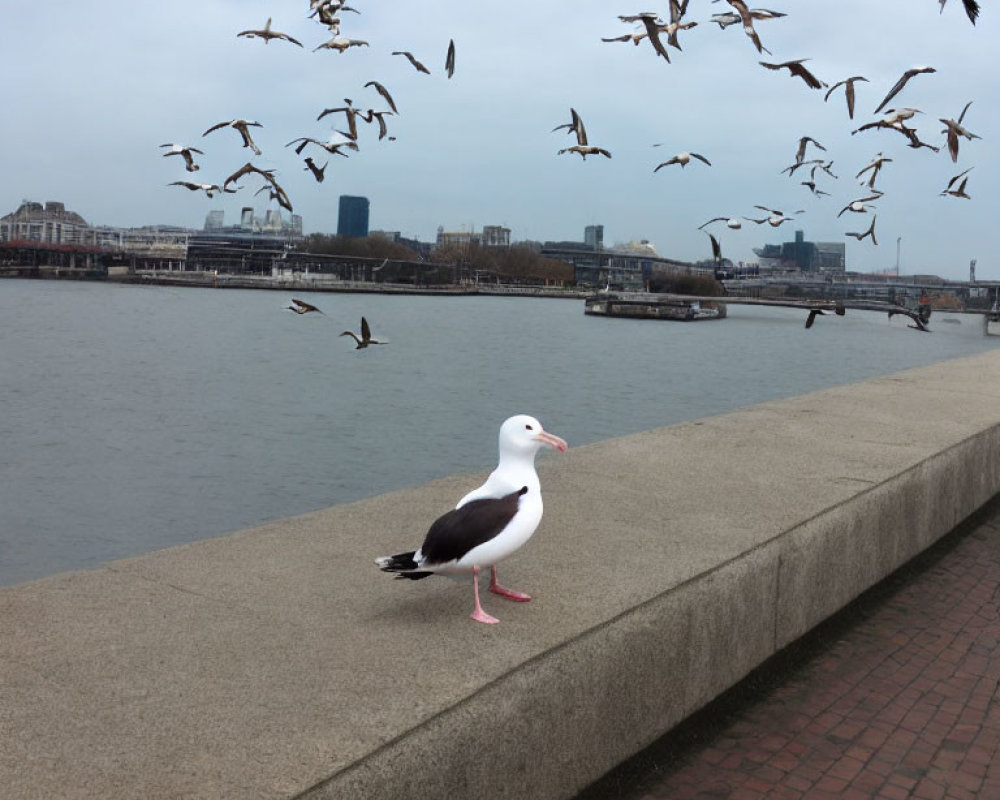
91, 90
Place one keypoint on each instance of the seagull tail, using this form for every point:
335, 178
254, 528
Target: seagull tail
403, 565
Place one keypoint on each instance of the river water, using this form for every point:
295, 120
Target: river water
136, 418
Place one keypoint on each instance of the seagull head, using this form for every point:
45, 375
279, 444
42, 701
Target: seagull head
524, 435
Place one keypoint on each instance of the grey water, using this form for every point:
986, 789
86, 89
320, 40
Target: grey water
136, 418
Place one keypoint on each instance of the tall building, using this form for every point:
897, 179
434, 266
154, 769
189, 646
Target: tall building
352, 216
593, 237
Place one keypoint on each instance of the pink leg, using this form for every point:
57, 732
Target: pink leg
510, 594
479, 615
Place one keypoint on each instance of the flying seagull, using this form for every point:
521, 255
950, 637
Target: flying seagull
801, 152
795, 68
901, 83
449, 61
870, 232
747, 17
316, 171
716, 249
875, 165
384, 92
839, 310
333, 146
488, 524
971, 9
302, 307
682, 159
267, 34
268, 175
953, 129
858, 206
654, 26
340, 44
582, 147
366, 336
242, 126
731, 222
417, 65
208, 188
848, 83
958, 191
185, 151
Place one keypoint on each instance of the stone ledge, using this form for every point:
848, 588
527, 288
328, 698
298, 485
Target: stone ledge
278, 662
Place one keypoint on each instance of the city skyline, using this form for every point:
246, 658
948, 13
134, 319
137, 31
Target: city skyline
87, 116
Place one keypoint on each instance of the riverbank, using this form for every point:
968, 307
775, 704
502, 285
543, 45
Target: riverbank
278, 662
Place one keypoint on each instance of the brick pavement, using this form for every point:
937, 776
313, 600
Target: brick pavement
897, 697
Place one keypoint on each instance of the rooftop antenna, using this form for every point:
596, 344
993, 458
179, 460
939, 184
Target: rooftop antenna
972, 271
898, 240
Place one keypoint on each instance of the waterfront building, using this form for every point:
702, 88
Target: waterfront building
352, 216
593, 236
50, 223
821, 257
496, 236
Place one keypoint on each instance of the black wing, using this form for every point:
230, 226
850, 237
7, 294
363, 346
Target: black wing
454, 534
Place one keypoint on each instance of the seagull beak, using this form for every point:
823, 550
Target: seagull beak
552, 441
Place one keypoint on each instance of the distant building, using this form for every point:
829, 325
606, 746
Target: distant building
273, 222
825, 257
214, 220
496, 236
491, 236
593, 236
352, 216
49, 224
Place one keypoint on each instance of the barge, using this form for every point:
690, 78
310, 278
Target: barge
645, 305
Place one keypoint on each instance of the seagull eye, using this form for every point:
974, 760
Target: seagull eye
528, 428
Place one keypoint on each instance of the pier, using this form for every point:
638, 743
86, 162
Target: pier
278, 662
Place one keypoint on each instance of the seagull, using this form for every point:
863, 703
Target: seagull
372, 114
683, 159
870, 232
796, 68
302, 307
971, 9
267, 34
953, 129
839, 310
332, 147
417, 65
901, 83
731, 222
241, 125
801, 152
208, 188
352, 115
582, 146
316, 171
366, 336
488, 524
716, 249
747, 17
848, 92
960, 190
812, 188
449, 61
268, 175
654, 25
858, 206
340, 44
385, 94
875, 166
185, 151
774, 218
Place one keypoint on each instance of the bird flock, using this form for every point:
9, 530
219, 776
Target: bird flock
661, 34
650, 31
327, 14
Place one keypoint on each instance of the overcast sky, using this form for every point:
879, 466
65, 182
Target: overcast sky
92, 89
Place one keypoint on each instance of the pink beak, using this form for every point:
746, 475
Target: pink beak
552, 441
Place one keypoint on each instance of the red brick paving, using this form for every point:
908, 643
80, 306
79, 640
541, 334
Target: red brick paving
897, 698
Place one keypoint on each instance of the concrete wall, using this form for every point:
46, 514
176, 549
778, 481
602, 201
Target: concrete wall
278, 662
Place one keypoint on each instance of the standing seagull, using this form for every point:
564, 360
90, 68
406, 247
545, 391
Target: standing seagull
901, 83
241, 125
366, 336
848, 83
489, 523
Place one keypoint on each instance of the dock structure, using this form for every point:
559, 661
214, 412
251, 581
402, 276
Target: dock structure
278, 662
